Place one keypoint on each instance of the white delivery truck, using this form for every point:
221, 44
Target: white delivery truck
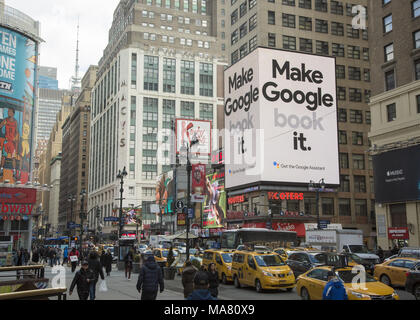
159, 240
341, 240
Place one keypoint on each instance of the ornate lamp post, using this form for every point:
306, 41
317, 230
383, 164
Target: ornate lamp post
320, 186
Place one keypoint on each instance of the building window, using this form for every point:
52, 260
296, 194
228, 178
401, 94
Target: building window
361, 207
344, 160
358, 161
168, 113
342, 115
338, 50
360, 184
337, 8
187, 110
416, 37
355, 95
389, 52
327, 206
321, 5
417, 69
289, 43
356, 116
368, 117
169, 75
289, 20
321, 26
416, 8
252, 3
354, 73
366, 54
344, 207
310, 205
352, 33
305, 23
353, 52
234, 36
342, 137
357, 138
206, 79
252, 22
133, 70
366, 75
418, 103
391, 111
305, 45
235, 56
389, 80
243, 50
292, 205
344, 183
387, 22
271, 17
234, 17
243, 9
322, 48
243, 30
337, 29
341, 93
187, 77
271, 39
384, 2
206, 111
253, 43
151, 73
286, 2
305, 4
340, 71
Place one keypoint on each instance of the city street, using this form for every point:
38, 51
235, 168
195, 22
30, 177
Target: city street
121, 289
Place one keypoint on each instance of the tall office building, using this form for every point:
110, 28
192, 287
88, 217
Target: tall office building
48, 78
325, 28
394, 36
161, 63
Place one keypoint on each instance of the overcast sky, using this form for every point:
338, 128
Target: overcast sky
58, 20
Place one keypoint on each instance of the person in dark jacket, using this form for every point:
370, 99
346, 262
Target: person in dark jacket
82, 279
108, 262
96, 269
213, 280
334, 289
201, 287
102, 259
128, 262
35, 256
188, 278
380, 254
150, 278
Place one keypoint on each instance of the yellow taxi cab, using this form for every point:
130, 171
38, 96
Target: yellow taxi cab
282, 252
393, 272
223, 261
161, 255
262, 270
310, 285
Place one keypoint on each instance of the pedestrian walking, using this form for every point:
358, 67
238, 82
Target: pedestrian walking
52, 255
201, 287
213, 280
128, 261
58, 256
26, 256
82, 280
150, 280
188, 278
35, 255
380, 254
96, 269
334, 289
75, 254
102, 259
108, 262
65, 256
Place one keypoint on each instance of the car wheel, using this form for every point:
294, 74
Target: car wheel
237, 283
258, 286
304, 294
224, 279
417, 291
385, 280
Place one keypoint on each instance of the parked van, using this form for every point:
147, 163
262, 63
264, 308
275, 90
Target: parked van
262, 270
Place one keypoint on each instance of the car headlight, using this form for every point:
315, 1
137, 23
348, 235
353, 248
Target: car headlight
360, 295
268, 274
395, 295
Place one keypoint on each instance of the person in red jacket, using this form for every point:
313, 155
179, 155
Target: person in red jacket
74, 261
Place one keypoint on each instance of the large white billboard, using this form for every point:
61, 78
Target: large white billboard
281, 119
188, 130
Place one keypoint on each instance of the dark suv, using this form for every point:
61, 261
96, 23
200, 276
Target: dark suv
302, 261
412, 284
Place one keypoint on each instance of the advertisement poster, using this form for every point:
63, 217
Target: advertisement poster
165, 191
194, 130
181, 219
131, 216
198, 182
280, 116
17, 82
214, 206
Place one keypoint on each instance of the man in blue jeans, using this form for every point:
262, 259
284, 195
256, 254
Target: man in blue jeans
96, 269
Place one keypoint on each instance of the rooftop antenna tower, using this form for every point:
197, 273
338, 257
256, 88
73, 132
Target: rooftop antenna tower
75, 80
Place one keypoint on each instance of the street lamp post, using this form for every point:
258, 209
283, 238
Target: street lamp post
318, 187
121, 176
71, 198
82, 215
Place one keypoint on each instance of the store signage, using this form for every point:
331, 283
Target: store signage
237, 215
181, 219
17, 195
299, 228
398, 233
285, 196
128, 236
237, 199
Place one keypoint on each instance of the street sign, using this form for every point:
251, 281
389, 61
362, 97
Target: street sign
190, 213
111, 219
180, 205
323, 224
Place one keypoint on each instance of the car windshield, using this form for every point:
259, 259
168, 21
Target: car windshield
269, 261
317, 258
355, 258
280, 251
227, 257
358, 249
347, 276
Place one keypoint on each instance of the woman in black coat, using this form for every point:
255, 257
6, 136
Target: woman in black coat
108, 262
213, 280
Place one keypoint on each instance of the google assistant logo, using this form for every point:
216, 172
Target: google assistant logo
276, 164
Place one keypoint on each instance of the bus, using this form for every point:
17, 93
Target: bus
231, 239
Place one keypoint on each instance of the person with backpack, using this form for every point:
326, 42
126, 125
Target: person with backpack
82, 280
96, 269
150, 279
334, 289
201, 287
188, 278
